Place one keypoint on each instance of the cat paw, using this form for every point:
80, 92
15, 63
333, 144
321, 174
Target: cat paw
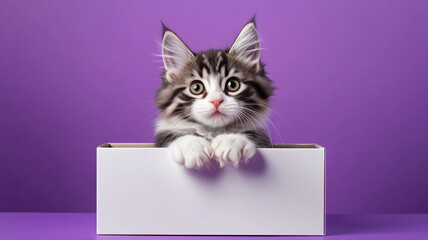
191, 151
232, 148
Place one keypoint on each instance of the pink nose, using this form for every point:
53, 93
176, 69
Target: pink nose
216, 102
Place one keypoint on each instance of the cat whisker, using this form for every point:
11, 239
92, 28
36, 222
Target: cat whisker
273, 111
151, 115
267, 119
261, 125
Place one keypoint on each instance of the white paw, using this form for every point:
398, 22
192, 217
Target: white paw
191, 151
232, 148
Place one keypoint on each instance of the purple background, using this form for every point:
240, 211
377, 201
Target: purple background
351, 76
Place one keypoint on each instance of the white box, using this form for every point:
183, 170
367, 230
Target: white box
140, 190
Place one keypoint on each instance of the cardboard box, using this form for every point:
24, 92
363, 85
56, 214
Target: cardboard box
140, 190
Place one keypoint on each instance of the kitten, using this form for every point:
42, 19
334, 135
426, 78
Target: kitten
213, 103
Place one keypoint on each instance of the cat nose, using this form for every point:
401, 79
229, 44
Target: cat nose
216, 102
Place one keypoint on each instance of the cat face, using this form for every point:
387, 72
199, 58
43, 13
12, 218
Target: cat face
215, 88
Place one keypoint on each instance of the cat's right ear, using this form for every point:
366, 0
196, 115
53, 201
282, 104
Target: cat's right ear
247, 45
175, 54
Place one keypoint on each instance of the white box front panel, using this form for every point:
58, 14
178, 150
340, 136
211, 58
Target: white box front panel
140, 190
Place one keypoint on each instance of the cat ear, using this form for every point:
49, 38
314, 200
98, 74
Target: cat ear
175, 54
246, 45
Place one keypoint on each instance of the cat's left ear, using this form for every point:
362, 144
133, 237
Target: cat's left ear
175, 54
247, 46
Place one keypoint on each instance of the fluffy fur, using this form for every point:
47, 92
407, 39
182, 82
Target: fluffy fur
213, 103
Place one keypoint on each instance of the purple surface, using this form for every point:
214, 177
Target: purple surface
351, 76
78, 226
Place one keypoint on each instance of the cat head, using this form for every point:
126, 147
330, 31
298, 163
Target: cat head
215, 88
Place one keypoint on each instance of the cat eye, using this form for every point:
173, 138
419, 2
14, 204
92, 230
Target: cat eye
232, 84
197, 87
